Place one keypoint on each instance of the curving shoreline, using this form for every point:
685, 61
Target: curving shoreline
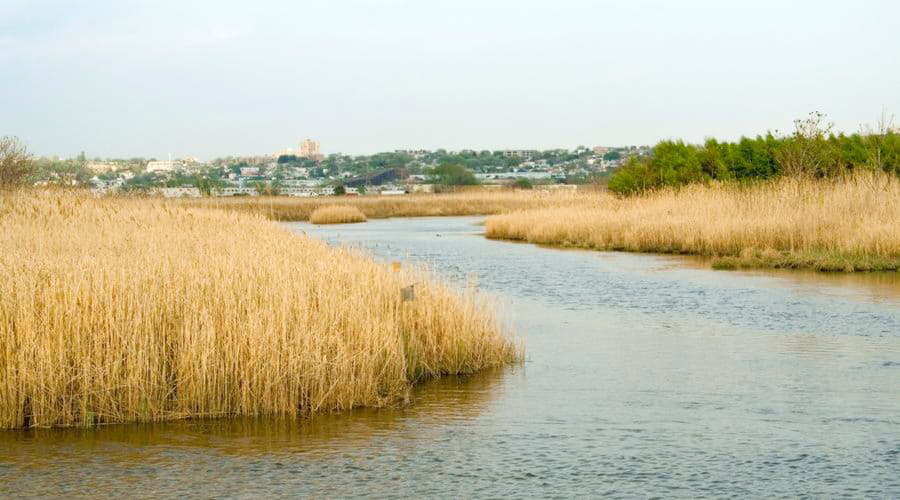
847, 224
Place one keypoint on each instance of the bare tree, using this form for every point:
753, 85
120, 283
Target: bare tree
806, 152
875, 139
16, 165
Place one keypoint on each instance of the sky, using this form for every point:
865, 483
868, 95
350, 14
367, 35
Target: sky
123, 78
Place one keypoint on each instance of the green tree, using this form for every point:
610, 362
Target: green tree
452, 174
612, 155
16, 164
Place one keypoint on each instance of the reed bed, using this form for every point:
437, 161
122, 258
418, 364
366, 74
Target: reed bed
116, 310
847, 224
474, 202
337, 214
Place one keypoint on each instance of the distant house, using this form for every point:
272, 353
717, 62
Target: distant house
164, 165
180, 192
100, 167
378, 178
501, 176
304, 191
235, 191
518, 153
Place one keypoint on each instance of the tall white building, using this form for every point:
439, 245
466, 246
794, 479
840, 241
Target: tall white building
310, 149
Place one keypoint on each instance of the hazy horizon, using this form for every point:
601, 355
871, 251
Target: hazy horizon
123, 79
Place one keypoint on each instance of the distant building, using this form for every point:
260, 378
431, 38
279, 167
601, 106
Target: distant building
415, 153
307, 191
100, 167
301, 182
249, 171
500, 176
180, 192
309, 149
164, 165
518, 153
600, 150
235, 191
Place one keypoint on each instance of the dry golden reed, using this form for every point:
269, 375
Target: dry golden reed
845, 224
117, 310
471, 202
336, 214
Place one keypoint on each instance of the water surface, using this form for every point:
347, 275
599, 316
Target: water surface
645, 376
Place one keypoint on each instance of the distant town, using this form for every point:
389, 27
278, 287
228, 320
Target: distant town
306, 171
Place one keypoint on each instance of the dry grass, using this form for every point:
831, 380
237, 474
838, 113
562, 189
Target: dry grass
851, 224
475, 202
336, 214
117, 310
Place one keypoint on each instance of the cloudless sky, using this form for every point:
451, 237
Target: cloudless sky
128, 78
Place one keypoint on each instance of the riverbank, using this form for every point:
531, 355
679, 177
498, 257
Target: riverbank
472, 202
117, 310
847, 224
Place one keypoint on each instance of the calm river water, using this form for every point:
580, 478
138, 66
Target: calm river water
645, 376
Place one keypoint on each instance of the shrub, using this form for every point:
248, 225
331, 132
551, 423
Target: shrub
16, 165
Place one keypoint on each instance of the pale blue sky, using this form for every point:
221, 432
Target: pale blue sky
129, 78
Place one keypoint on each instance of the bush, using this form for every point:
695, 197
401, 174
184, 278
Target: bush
453, 174
16, 165
523, 183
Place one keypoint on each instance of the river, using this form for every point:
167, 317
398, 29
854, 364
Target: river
645, 376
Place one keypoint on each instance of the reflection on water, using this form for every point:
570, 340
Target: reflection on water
437, 401
155, 458
646, 376
881, 287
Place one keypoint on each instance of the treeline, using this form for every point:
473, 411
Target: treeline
811, 151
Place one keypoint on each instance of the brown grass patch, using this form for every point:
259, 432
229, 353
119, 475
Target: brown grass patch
473, 202
336, 214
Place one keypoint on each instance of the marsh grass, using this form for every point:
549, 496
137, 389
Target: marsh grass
337, 214
847, 224
470, 202
115, 310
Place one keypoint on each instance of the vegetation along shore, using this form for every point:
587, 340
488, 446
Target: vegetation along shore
810, 200
469, 202
118, 310
847, 224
